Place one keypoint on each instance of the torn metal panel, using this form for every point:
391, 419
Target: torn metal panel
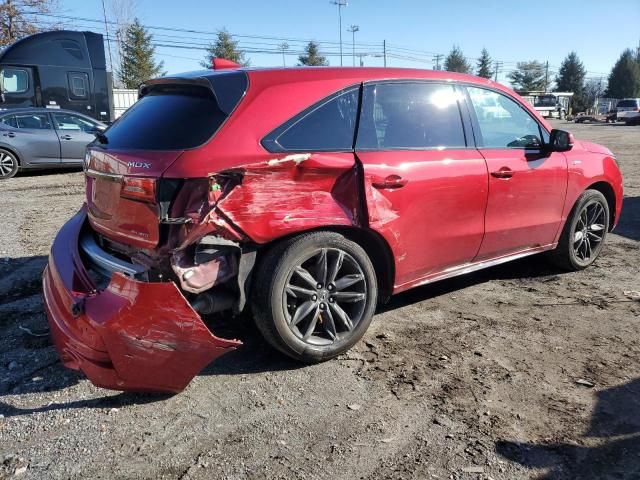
284, 197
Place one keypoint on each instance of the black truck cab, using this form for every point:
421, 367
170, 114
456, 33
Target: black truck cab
60, 69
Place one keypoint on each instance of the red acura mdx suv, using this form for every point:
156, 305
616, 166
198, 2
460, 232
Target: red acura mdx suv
308, 195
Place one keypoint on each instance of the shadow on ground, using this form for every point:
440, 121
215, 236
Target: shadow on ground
629, 225
615, 422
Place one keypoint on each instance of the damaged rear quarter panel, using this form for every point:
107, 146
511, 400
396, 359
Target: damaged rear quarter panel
293, 193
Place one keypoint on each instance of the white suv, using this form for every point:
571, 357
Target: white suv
628, 109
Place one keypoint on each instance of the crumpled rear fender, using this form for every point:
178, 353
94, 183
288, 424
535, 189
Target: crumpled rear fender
292, 194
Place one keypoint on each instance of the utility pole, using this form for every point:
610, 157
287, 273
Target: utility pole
340, 4
106, 27
497, 68
384, 52
546, 77
284, 46
437, 58
353, 29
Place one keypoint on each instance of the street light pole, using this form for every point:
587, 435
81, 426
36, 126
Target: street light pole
284, 46
340, 4
353, 29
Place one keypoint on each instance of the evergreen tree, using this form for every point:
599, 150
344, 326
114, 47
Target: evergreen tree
138, 63
224, 47
624, 79
570, 78
455, 61
484, 65
312, 56
528, 76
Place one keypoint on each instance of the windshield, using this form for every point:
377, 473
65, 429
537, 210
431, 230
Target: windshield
628, 103
546, 101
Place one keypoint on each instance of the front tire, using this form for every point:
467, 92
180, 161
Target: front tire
314, 296
8, 164
584, 232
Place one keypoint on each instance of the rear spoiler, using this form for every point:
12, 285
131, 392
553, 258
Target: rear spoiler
234, 84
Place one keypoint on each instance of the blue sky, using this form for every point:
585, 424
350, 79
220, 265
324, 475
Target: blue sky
511, 30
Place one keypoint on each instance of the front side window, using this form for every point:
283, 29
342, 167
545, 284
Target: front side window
15, 80
73, 123
328, 126
410, 116
34, 121
503, 122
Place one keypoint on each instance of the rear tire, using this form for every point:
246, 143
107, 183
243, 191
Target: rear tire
8, 164
584, 232
314, 296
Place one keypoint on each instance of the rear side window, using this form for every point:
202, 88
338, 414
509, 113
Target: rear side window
327, 126
403, 115
628, 104
172, 117
9, 120
34, 121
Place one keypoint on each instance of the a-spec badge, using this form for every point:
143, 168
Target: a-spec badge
138, 165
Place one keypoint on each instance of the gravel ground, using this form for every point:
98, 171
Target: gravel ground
519, 371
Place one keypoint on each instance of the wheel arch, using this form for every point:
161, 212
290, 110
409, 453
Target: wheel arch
374, 245
609, 194
12, 151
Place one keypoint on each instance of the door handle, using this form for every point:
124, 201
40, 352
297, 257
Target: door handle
505, 173
390, 182
9, 134
66, 137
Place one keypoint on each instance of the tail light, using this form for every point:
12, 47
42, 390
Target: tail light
142, 189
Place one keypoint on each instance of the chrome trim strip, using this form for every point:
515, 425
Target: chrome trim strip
473, 267
105, 262
89, 172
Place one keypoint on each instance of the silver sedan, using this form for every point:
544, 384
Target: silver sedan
43, 138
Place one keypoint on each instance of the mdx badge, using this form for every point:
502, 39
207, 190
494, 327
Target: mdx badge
138, 165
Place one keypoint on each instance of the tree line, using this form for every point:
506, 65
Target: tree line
622, 82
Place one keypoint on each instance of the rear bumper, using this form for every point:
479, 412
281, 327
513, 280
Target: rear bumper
627, 115
133, 335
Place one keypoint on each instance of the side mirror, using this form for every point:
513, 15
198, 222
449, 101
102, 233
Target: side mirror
560, 141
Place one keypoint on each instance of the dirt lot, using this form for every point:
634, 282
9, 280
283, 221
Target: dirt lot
519, 371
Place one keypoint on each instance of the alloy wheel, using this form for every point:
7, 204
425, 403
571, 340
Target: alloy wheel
7, 164
325, 297
589, 232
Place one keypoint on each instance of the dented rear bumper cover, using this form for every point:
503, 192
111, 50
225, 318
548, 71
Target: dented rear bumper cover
133, 335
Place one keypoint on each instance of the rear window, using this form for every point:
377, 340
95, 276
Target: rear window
175, 117
628, 103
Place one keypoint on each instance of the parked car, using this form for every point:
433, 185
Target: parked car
627, 109
312, 195
33, 138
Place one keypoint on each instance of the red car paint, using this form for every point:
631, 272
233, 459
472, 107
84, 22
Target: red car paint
132, 335
438, 213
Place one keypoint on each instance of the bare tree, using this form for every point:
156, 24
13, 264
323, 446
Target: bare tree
122, 14
19, 18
